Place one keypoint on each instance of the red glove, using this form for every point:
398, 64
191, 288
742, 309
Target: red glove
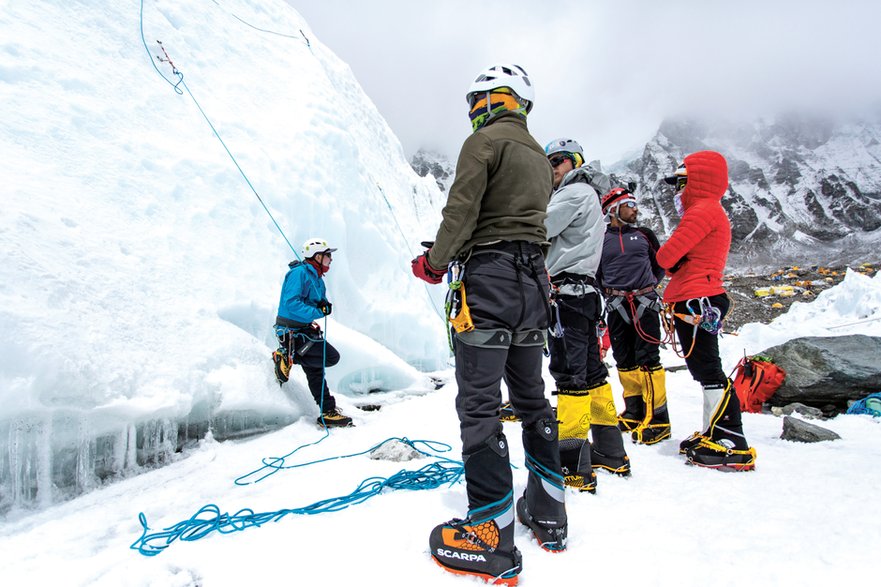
424, 271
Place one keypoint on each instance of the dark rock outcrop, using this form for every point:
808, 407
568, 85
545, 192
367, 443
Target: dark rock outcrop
800, 431
828, 371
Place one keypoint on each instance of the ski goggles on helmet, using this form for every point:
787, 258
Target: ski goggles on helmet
474, 97
679, 178
558, 160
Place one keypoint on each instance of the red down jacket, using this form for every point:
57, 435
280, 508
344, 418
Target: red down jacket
703, 236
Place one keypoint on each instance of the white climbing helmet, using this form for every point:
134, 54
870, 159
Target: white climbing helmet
505, 75
563, 146
568, 148
315, 245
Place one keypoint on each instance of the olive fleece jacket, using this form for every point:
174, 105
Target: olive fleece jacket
501, 191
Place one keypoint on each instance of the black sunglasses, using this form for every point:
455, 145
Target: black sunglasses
558, 160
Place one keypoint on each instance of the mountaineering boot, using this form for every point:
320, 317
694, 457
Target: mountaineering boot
690, 442
573, 413
713, 395
506, 413
655, 431
722, 445
282, 367
543, 506
617, 464
583, 482
334, 419
550, 534
607, 449
481, 545
655, 427
634, 406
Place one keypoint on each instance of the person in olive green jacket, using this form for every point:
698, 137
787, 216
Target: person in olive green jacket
491, 236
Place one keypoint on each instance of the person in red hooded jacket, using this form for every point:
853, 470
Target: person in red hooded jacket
695, 256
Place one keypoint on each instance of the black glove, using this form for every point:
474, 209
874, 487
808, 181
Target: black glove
325, 307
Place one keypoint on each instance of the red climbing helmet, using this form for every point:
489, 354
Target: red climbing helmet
615, 198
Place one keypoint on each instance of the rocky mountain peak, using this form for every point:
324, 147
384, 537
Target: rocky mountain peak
800, 188
425, 162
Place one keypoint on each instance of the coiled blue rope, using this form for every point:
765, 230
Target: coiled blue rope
871, 405
209, 518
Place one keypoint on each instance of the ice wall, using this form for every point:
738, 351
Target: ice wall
139, 271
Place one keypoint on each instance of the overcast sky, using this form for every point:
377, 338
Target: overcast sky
605, 72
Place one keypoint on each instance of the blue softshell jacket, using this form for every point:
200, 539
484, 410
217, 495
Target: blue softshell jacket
300, 294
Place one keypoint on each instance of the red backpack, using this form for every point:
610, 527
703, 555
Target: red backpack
755, 382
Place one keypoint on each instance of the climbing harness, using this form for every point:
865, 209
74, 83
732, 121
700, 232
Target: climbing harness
577, 286
706, 317
637, 301
570, 284
297, 341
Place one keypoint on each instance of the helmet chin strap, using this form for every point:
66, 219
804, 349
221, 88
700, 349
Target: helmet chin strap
489, 108
621, 220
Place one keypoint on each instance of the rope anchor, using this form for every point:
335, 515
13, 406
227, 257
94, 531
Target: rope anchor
166, 59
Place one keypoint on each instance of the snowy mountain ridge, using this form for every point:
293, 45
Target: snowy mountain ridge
802, 189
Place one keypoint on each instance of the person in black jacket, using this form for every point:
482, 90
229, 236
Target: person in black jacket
629, 275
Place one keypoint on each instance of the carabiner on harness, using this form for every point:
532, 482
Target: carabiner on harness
458, 314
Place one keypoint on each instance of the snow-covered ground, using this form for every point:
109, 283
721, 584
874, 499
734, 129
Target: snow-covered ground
807, 515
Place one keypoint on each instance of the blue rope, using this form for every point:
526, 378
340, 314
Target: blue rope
410, 250
210, 519
275, 464
177, 89
871, 405
243, 21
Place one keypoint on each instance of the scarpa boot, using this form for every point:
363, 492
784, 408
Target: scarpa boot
481, 545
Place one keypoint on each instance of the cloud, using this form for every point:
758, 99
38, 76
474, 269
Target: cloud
606, 73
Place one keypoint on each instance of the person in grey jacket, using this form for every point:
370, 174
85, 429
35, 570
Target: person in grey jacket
584, 397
